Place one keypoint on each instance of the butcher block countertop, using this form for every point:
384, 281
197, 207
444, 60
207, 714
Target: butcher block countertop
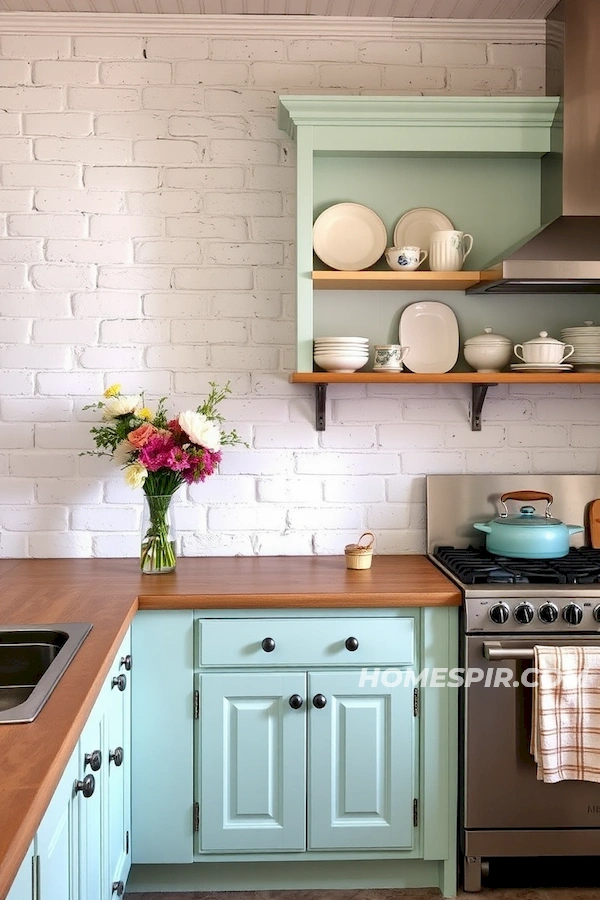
108, 592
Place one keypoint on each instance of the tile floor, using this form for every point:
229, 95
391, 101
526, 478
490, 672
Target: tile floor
497, 893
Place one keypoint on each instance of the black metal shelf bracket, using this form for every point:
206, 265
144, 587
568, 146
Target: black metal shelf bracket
478, 395
320, 397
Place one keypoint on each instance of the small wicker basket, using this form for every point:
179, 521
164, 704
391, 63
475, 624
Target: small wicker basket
359, 556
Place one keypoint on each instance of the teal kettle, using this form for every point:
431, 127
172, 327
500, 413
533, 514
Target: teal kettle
526, 535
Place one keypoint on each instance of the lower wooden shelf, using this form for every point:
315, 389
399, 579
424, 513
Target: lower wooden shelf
479, 381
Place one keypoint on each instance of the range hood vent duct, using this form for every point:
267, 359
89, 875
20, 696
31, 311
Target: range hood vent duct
564, 256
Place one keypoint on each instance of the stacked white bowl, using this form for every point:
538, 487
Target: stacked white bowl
341, 354
586, 340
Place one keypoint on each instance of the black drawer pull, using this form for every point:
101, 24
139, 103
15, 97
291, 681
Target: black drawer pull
268, 645
351, 643
87, 786
93, 760
320, 701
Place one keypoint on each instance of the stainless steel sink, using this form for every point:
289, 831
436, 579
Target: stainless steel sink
33, 659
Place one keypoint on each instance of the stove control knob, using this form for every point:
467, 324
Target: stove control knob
548, 613
597, 613
499, 613
572, 614
524, 613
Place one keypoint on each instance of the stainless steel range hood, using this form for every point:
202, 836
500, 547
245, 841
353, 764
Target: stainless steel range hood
564, 256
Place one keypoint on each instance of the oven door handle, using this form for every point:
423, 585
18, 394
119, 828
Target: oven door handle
494, 650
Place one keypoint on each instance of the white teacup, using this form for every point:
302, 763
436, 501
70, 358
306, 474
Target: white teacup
405, 259
543, 350
448, 250
388, 357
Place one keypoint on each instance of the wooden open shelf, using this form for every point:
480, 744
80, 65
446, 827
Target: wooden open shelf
371, 280
479, 381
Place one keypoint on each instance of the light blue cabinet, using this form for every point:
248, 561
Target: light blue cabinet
81, 848
316, 759
117, 775
361, 763
22, 886
237, 785
252, 762
56, 841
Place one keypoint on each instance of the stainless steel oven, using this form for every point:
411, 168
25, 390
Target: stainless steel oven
510, 606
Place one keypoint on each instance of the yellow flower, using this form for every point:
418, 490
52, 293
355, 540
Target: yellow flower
135, 475
113, 391
145, 413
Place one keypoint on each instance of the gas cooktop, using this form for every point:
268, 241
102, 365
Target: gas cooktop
474, 565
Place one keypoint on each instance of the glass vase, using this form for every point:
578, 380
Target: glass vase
158, 547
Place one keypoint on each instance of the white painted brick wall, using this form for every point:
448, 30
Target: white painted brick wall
147, 213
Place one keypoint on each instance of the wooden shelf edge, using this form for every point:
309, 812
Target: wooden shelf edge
446, 378
401, 281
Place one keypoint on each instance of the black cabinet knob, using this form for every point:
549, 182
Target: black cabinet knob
116, 756
126, 662
268, 645
351, 643
296, 701
93, 760
118, 888
86, 787
319, 701
119, 681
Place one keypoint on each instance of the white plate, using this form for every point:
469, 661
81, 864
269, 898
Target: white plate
349, 237
415, 227
430, 331
541, 367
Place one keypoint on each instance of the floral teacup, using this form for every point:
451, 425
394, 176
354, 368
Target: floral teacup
405, 259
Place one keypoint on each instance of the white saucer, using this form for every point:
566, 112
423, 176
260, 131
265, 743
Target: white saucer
541, 367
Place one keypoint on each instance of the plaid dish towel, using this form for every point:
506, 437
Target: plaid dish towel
565, 720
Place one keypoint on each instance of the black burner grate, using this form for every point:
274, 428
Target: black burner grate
474, 565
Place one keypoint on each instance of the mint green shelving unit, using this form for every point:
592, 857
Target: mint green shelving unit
477, 159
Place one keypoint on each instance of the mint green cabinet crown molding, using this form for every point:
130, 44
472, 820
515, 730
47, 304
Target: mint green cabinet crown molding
471, 125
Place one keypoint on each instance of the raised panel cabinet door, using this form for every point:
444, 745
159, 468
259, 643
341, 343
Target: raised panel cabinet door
90, 802
118, 766
56, 841
22, 886
361, 763
252, 761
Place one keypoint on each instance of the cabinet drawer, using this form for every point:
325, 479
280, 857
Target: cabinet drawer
306, 642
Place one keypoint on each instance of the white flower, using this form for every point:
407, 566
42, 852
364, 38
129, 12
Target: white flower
120, 406
123, 452
135, 475
200, 430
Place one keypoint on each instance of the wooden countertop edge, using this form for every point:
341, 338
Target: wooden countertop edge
79, 688
327, 600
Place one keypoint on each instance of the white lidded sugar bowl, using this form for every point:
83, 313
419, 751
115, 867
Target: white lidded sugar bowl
488, 352
544, 351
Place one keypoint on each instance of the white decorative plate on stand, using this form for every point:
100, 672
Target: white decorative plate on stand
349, 237
430, 331
415, 227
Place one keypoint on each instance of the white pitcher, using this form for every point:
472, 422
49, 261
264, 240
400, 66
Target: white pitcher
448, 250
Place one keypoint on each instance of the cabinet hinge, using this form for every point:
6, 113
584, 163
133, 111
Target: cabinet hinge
35, 877
196, 816
416, 702
415, 813
127, 842
196, 704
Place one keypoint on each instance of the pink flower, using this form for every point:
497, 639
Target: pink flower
140, 436
202, 464
178, 460
154, 454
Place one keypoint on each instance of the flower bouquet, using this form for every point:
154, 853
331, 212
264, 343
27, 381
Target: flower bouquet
160, 454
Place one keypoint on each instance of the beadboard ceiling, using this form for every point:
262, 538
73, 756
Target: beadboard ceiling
424, 9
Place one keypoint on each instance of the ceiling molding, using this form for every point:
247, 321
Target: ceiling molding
497, 30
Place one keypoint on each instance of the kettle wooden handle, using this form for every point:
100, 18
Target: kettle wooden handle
526, 495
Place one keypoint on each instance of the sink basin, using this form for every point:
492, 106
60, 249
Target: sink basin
33, 659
